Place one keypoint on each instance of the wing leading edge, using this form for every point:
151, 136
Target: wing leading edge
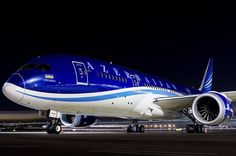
181, 102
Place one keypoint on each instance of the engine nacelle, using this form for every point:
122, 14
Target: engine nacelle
212, 108
77, 120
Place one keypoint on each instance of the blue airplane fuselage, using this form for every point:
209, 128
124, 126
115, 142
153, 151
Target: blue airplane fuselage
74, 84
78, 74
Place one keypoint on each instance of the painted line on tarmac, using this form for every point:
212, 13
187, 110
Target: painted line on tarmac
163, 153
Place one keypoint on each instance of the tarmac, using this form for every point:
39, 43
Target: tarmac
161, 143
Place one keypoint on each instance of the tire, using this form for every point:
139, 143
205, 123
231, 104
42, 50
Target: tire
49, 129
141, 129
57, 129
129, 129
190, 128
136, 128
199, 129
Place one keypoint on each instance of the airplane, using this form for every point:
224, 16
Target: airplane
76, 89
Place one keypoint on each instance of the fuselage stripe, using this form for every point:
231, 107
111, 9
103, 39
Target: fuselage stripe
102, 97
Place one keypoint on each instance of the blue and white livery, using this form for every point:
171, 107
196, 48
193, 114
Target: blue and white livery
75, 89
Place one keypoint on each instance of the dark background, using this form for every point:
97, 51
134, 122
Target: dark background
173, 41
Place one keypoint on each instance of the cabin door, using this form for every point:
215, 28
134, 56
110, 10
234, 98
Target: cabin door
81, 73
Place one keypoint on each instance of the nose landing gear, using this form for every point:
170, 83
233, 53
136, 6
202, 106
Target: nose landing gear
53, 127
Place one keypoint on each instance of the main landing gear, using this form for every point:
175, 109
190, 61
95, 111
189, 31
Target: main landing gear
135, 127
54, 127
193, 128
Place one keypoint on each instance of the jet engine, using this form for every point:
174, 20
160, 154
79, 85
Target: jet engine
77, 120
212, 108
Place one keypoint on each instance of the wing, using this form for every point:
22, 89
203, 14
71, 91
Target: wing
231, 95
176, 103
181, 102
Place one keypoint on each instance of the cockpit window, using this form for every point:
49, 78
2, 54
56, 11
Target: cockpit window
29, 66
42, 67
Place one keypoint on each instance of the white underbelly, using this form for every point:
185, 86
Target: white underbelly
133, 106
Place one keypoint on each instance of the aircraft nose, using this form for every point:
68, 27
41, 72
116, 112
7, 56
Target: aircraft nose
13, 89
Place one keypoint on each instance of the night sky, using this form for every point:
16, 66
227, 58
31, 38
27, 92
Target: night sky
170, 41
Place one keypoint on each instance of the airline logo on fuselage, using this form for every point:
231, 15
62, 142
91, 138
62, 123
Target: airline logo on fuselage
105, 70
